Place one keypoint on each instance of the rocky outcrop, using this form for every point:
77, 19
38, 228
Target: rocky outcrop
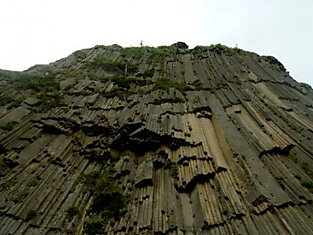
167, 140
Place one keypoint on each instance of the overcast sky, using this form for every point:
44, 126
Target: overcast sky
42, 31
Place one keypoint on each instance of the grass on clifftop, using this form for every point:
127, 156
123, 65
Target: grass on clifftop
101, 62
44, 86
219, 49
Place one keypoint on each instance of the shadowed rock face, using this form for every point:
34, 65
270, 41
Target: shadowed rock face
166, 140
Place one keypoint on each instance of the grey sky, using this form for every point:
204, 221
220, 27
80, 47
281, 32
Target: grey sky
42, 31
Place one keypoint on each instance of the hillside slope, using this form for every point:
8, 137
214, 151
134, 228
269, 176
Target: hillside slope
167, 140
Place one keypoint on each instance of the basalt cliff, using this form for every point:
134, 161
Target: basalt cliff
165, 140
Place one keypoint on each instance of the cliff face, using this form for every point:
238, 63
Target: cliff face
165, 140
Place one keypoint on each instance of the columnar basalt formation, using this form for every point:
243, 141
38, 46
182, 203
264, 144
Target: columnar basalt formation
167, 140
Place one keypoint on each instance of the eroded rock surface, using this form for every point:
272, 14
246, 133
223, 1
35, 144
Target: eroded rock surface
211, 140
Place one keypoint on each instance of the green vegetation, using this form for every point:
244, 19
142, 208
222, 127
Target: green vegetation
219, 49
19, 197
225, 212
17, 102
104, 63
8, 126
72, 211
180, 45
165, 84
90, 179
36, 82
199, 51
101, 62
94, 225
274, 62
77, 74
7, 74
305, 85
44, 87
280, 181
3, 167
50, 99
250, 181
80, 54
31, 214
40, 69
174, 171
133, 52
10, 183
142, 117
163, 50
35, 181
126, 82
159, 54
148, 73
308, 184
114, 154
108, 200
154, 54
298, 177
4, 100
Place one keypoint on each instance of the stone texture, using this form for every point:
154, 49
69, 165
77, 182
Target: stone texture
227, 155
